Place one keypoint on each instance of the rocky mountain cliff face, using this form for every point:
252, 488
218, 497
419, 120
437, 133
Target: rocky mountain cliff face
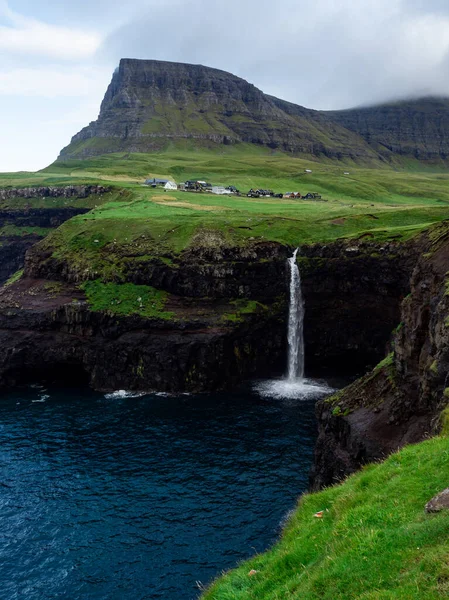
151, 102
418, 129
402, 400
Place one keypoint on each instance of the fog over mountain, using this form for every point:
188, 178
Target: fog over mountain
58, 58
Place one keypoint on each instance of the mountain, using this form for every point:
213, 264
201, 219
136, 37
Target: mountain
414, 128
149, 103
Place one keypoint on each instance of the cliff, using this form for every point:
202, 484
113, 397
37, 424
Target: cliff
204, 318
416, 128
150, 103
135, 336
403, 399
28, 214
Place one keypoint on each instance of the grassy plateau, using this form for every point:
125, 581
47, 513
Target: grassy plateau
377, 203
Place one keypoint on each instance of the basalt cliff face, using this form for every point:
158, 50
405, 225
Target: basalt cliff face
416, 128
48, 327
403, 399
149, 103
228, 308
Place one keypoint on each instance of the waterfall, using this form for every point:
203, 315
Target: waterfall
295, 323
294, 387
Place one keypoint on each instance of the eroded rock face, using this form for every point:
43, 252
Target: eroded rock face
68, 191
401, 401
414, 128
352, 297
13, 248
48, 331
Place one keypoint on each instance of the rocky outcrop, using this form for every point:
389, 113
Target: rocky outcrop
402, 400
439, 502
353, 292
39, 217
12, 253
68, 191
149, 103
34, 222
414, 128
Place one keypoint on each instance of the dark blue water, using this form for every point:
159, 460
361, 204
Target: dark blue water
139, 498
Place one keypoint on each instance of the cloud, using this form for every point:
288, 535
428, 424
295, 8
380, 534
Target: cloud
320, 53
58, 57
25, 35
53, 81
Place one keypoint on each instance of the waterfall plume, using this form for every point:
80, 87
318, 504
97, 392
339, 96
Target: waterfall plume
295, 333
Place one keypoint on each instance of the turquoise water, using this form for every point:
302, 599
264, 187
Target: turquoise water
123, 498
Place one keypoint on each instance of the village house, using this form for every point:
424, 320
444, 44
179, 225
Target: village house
155, 182
220, 190
170, 185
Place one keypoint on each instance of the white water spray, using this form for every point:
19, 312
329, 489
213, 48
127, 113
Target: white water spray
295, 333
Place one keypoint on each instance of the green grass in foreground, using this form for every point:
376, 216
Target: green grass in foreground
126, 299
374, 542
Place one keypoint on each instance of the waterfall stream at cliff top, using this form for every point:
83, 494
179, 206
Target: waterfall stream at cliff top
295, 385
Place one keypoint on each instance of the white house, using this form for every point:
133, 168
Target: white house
221, 191
308, 170
170, 185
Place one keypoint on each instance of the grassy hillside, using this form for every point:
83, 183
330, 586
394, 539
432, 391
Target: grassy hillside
141, 222
136, 221
248, 166
374, 541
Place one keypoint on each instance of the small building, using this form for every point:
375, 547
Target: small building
220, 190
292, 195
155, 182
308, 171
170, 185
346, 173
312, 196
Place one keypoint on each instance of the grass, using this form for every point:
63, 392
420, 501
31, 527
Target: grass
126, 299
151, 223
373, 542
23, 204
23, 231
136, 223
15, 277
242, 308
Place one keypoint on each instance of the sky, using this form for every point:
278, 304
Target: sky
58, 56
